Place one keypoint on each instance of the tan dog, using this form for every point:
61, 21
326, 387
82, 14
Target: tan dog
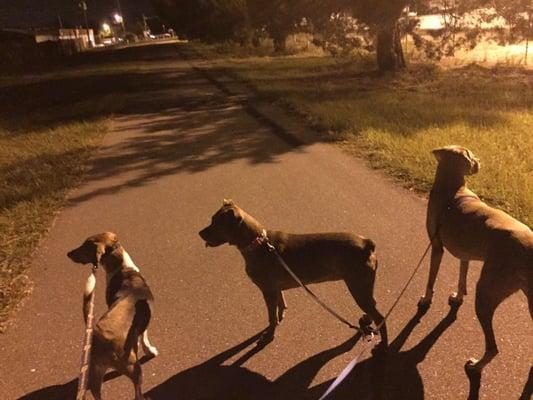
471, 230
314, 258
128, 297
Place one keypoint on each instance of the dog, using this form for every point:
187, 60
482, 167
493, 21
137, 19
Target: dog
128, 297
314, 258
471, 230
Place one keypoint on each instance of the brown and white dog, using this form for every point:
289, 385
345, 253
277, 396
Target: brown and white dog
471, 230
117, 332
318, 257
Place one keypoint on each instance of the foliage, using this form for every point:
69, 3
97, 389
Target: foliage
342, 26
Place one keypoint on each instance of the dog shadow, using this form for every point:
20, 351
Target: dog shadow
212, 380
391, 375
68, 390
394, 374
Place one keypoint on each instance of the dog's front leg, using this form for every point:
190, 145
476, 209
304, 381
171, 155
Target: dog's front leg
456, 299
148, 349
271, 299
282, 306
437, 250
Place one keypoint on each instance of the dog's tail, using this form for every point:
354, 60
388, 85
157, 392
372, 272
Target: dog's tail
89, 289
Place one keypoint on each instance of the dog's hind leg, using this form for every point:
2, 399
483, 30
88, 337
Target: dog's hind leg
282, 306
457, 298
134, 372
365, 300
97, 371
492, 288
148, 349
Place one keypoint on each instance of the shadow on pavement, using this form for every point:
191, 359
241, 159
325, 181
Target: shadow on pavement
212, 380
391, 376
67, 391
176, 119
383, 376
394, 376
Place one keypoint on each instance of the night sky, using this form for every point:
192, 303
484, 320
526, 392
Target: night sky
37, 13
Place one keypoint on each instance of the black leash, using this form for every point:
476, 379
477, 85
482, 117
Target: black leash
365, 329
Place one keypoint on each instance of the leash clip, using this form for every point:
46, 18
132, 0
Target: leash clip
270, 246
365, 326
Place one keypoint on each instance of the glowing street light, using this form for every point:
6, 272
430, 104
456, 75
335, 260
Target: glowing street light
106, 28
118, 18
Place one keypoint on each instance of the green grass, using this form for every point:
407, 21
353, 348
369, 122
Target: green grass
50, 124
395, 120
37, 167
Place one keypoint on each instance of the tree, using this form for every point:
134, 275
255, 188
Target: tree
382, 17
518, 15
211, 20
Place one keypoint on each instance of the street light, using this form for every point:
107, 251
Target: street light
118, 18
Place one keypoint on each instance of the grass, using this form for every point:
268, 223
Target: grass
37, 167
395, 120
50, 123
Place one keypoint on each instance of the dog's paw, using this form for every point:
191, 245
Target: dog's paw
455, 300
281, 314
472, 368
150, 351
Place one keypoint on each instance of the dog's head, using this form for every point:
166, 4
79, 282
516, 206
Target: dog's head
94, 249
457, 158
229, 224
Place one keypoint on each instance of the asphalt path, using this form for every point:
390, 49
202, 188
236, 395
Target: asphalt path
161, 172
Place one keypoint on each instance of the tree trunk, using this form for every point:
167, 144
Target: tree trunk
389, 49
280, 40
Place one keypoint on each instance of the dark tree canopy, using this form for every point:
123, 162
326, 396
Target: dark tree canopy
247, 20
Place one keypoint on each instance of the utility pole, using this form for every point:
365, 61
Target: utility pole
121, 17
83, 6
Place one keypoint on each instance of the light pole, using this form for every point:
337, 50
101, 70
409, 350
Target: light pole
83, 6
121, 17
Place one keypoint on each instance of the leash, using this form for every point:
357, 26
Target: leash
83, 379
368, 332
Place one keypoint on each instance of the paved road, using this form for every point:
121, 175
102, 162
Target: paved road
166, 166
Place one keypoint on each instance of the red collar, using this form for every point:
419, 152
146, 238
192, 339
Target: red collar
257, 242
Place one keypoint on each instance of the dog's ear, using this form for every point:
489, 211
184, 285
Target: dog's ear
235, 214
475, 165
99, 252
227, 202
438, 153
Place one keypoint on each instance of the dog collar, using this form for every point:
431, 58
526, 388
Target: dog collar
257, 242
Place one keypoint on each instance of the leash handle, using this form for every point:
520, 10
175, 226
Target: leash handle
83, 379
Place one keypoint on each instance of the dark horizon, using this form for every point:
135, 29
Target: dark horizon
44, 13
